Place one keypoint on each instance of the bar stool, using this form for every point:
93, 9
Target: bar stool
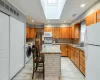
37, 60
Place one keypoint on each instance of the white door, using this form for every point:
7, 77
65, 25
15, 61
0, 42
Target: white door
92, 63
16, 46
4, 46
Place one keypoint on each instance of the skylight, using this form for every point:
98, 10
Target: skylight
52, 1
53, 8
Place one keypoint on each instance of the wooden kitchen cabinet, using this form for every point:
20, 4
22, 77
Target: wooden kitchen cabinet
65, 32
69, 52
72, 55
77, 30
56, 32
73, 32
82, 62
27, 32
70, 32
32, 33
91, 19
98, 16
77, 57
47, 29
63, 50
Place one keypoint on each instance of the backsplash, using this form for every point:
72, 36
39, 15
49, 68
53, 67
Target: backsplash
74, 41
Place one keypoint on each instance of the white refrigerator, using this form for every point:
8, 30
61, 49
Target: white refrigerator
92, 52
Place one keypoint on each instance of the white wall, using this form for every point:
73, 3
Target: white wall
95, 7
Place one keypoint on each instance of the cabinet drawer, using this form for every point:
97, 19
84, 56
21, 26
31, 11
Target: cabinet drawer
82, 69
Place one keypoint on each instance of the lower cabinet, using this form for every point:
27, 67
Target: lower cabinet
72, 55
77, 57
63, 48
68, 52
82, 62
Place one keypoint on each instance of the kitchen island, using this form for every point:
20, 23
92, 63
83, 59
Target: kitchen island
52, 61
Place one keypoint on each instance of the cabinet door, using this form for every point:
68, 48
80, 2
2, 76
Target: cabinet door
70, 32
98, 16
56, 33
32, 33
82, 62
65, 32
72, 55
91, 19
69, 53
63, 50
27, 32
73, 31
77, 58
47, 29
77, 30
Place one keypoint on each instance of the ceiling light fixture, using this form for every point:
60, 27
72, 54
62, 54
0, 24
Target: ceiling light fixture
64, 21
32, 20
48, 21
82, 5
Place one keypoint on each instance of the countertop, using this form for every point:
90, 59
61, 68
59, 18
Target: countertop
51, 49
73, 45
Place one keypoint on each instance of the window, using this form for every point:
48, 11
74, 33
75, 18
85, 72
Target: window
83, 29
52, 1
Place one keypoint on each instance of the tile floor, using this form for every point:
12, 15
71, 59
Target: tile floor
68, 72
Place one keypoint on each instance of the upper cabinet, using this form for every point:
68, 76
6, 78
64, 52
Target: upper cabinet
65, 32
27, 32
98, 16
91, 19
47, 29
75, 31
56, 32
30, 33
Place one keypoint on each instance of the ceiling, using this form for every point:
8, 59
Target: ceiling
34, 11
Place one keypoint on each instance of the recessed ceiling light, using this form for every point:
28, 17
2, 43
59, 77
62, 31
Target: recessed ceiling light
32, 20
82, 5
48, 21
64, 21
